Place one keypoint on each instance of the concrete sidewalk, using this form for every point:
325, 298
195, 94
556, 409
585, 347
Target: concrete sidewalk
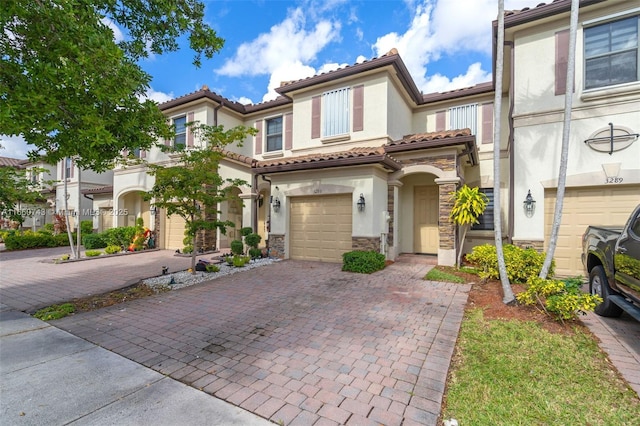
51, 377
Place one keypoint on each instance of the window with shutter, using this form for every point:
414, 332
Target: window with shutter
611, 53
485, 220
464, 117
180, 126
335, 112
274, 134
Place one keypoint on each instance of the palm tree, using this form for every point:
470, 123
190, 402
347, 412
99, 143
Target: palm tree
468, 205
507, 292
564, 156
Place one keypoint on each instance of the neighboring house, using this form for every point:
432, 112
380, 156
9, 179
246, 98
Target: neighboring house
42, 178
38, 213
359, 158
79, 181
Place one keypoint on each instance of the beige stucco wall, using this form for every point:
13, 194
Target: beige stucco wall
538, 122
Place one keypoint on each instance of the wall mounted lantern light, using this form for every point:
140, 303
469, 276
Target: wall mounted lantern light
276, 205
529, 205
154, 210
361, 203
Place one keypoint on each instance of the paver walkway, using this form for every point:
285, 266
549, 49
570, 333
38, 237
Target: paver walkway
29, 280
298, 342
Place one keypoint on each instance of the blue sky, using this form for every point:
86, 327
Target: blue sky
446, 45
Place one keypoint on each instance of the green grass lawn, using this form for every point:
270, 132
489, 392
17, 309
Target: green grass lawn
517, 373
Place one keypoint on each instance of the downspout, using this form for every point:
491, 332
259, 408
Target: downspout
510, 145
215, 113
267, 216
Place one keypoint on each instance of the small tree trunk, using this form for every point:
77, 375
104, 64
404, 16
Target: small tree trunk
66, 209
193, 255
564, 155
507, 292
463, 233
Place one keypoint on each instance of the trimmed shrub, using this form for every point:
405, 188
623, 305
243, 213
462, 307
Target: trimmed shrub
212, 268
92, 253
86, 226
237, 247
363, 262
252, 240
246, 231
240, 261
521, 263
255, 253
112, 249
562, 299
93, 241
29, 239
122, 236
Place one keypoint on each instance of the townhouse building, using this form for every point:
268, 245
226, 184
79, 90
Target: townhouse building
359, 158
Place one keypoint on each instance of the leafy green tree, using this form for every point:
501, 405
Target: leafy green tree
72, 90
192, 188
16, 189
468, 204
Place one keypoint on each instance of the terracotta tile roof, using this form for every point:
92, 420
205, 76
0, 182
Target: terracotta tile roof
542, 10
447, 138
478, 89
9, 162
354, 156
391, 58
108, 189
238, 157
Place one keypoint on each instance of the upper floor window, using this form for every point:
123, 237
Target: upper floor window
464, 117
485, 220
335, 112
274, 134
180, 125
611, 53
68, 167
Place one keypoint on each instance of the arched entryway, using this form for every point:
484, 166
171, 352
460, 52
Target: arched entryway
130, 207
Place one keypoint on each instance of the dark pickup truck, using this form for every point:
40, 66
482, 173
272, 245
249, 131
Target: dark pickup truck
611, 257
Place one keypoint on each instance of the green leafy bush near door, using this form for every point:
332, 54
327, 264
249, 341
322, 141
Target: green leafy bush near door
363, 262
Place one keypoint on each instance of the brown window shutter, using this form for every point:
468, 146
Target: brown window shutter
189, 130
487, 123
315, 117
562, 57
258, 139
288, 131
358, 108
441, 121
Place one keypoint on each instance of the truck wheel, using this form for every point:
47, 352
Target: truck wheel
599, 285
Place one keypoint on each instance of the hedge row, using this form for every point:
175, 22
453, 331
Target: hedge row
30, 239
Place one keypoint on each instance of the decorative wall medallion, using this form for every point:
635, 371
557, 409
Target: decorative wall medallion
611, 139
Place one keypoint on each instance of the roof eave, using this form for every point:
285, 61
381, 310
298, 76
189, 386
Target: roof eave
381, 159
468, 142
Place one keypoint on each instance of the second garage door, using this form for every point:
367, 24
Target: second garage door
608, 206
320, 227
173, 230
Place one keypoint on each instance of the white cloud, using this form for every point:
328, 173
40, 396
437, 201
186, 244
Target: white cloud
159, 97
286, 72
244, 100
118, 36
287, 43
14, 147
440, 83
445, 27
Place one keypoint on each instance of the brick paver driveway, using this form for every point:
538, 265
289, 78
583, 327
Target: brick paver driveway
29, 279
298, 342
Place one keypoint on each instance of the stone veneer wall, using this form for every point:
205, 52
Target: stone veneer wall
391, 210
365, 243
156, 228
446, 228
276, 246
525, 244
444, 162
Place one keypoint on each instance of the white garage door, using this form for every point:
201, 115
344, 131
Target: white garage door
173, 231
320, 227
609, 206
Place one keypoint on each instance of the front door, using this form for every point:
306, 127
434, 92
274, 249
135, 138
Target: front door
425, 219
